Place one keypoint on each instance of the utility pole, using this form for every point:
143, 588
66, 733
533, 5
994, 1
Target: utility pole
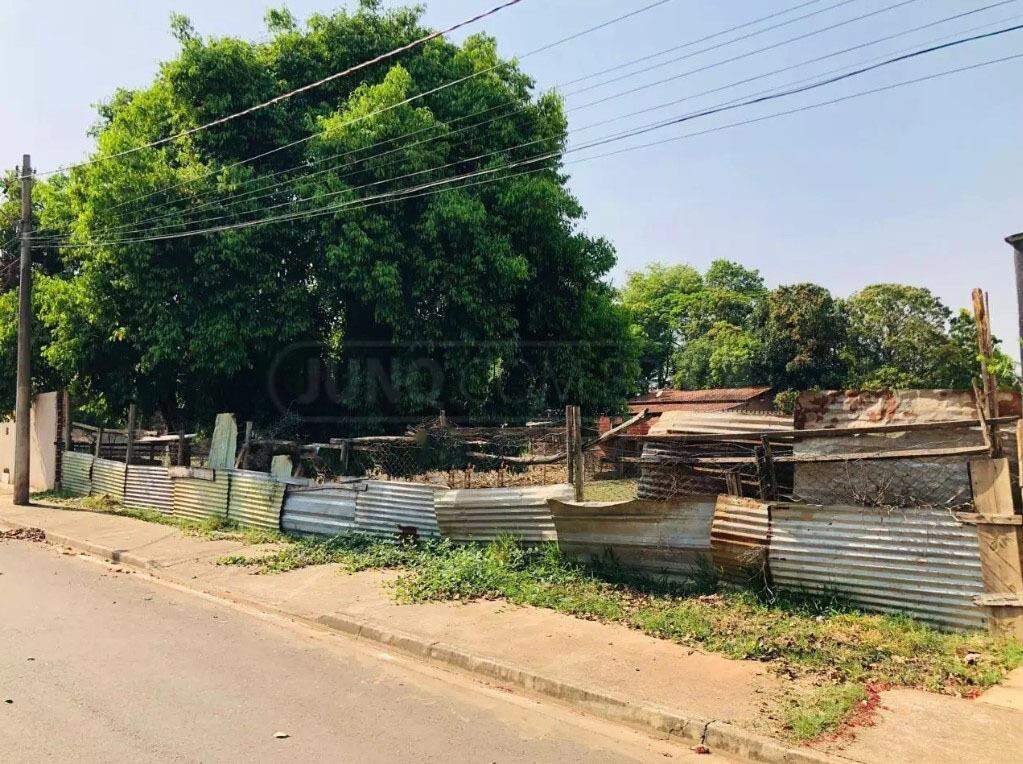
1016, 242
23, 400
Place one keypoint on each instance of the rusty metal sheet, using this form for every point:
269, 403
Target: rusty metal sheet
739, 539
108, 479
254, 500
149, 487
484, 514
391, 509
670, 538
199, 494
324, 510
76, 473
920, 562
720, 422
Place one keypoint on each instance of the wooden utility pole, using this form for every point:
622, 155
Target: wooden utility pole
989, 386
23, 399
985, 345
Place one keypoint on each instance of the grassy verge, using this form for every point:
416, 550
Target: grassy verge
818, 638
213, 528
824, 710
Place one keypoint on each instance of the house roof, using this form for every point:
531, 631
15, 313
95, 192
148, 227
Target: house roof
708, 400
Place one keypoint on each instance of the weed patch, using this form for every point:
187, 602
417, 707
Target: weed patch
823, 711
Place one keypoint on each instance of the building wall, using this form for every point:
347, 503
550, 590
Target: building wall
43, 455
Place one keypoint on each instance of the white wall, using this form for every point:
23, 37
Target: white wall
43, 454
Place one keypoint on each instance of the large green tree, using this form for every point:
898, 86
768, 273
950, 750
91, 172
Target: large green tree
724, 329
480, 299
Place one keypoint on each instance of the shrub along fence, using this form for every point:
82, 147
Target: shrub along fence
955, 570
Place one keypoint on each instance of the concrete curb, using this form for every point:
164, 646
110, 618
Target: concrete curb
718, 736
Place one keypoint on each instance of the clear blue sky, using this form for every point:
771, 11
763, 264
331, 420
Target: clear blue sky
918, 185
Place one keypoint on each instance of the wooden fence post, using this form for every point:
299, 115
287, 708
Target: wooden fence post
1000, 537
578, 466
129, 448
569, 462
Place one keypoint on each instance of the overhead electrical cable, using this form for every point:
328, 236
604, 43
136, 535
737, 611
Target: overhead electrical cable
416, 97
273, 190
603, 141
292, 93
464, 160
439, 88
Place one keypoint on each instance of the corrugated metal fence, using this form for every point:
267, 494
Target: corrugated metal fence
739, 538
324, 510
149, 487
199, 494
76, 473
108, 479
916, 561
397, 509
483, 514
255, 500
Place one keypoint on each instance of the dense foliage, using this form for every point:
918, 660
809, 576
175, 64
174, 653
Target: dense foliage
725, 329
484, 300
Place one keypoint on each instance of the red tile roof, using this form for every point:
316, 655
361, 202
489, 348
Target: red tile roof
731, 396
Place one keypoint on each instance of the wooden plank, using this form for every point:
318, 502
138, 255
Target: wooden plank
831, 432
976, 518
992, 489
1000, 545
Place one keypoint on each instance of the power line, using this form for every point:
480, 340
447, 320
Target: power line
603, 141
773, 46
272, 190
537, 50
209, 220
479, 73
290, 94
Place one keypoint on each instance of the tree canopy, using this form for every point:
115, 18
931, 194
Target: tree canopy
483, 300
723, 328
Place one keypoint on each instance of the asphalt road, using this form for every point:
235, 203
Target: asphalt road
100, 665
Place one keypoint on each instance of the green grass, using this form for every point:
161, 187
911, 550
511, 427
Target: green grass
213, 528
823, 711
813, 637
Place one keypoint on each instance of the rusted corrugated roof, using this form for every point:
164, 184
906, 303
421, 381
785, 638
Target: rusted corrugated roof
730, 395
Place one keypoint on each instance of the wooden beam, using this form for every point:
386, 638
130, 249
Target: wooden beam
782, 436
912, 453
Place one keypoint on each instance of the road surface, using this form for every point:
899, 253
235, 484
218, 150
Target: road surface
101, 665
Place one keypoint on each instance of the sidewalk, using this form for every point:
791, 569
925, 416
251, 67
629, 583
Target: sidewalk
606, 670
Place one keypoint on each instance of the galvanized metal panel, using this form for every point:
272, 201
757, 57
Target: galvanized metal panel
255, 500
739, 538
392, 509
483, 514
920, 562
149, 487
108, 479
659, 538
324, 510
198, 498
76, 473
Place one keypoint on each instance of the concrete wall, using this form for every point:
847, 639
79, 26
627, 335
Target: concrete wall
43, 456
